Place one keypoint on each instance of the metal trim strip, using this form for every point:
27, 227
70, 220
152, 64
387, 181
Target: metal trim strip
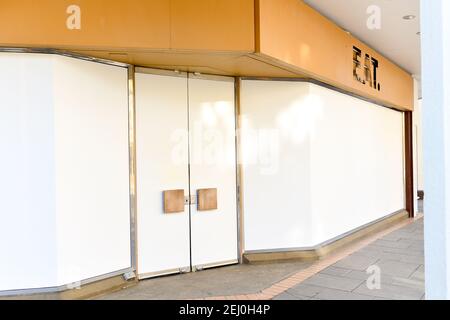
132, 164
215, 265
63, 53
196, 75
65, 287
330, 241
325, 85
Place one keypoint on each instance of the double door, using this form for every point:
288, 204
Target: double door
186, 172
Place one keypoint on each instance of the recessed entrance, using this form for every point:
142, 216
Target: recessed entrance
186, 172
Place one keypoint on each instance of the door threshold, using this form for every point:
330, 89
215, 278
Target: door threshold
163, 273
214, 265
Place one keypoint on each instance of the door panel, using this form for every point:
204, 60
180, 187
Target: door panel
162, 165
213, 166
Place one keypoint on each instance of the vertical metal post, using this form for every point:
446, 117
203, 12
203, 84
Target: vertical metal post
409, 164
240, 217
132, 162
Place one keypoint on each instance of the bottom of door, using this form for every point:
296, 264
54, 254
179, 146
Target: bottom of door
163, 273
150, 275
214, 265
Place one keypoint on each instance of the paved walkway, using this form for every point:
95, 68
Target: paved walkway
399, 257
225, 281
397, 252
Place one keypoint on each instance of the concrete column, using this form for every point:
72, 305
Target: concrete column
436, 126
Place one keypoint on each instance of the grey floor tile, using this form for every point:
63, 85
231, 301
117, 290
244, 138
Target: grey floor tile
402, 244
394, 236
391, 256
333, 282
389, 280
396, 268
418, 275
406, 235
335, 271
410, 228
286, 296
418, 259
373, 252
417, 246
407, 251
409, 283
332, 294
391, 292
358, 275
304, 290
357, 262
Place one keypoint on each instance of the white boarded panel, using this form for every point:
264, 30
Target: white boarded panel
92, 169
27, 183
276, 168
334, 163
356, 163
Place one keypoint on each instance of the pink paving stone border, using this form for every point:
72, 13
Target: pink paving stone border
297, 278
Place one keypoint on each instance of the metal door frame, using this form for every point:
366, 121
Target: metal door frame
188, 76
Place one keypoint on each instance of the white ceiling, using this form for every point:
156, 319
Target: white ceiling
397, 39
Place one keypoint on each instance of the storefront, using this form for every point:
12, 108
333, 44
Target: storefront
238, 136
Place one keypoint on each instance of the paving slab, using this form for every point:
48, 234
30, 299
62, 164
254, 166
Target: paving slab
306, 290
401, 243
332, 294
388, 279
287, 296
418, 275
392, 292
396, 268
333, 282
402, 251
336, 271
357, 262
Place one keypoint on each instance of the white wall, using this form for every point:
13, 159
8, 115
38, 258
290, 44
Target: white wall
64, 171
335, 163
27, 183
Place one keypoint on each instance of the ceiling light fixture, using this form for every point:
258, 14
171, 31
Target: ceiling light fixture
409, 17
